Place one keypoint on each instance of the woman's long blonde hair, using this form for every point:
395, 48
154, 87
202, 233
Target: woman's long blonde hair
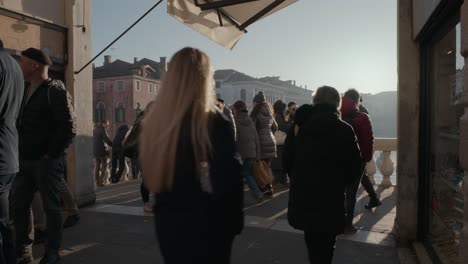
187, 91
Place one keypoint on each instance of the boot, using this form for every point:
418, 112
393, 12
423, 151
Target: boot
373, 202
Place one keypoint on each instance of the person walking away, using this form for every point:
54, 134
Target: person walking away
228, 113
46, 127
102, 144
118, 159
363, 129
189, 160
319, 144
282, 118
248, 146
11, 93
262, 115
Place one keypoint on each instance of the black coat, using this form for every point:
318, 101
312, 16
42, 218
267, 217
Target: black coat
119, 137
46, 125
326, 158
186, 213
101, 142
11, 93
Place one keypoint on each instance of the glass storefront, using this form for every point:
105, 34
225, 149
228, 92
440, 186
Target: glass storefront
446, 175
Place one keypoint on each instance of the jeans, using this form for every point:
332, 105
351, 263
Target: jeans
320, 246
366, 183
7, 247
101, 170
47, 176
350, 198
249, 178
118, 167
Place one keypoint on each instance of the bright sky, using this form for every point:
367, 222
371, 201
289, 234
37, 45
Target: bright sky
342, 43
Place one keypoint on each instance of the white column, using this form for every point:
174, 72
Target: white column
387, 168
371, 169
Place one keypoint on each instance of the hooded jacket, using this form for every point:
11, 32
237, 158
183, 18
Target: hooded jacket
246, 138
266, 126
362, 126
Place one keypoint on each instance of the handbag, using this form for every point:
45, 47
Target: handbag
280, 137
262, 173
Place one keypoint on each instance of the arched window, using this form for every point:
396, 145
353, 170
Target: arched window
243, 95
100, 113
137, 109
120, 113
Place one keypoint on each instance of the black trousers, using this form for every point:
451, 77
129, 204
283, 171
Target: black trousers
320, 246
118, 167
7, 246
46, 176
145, 194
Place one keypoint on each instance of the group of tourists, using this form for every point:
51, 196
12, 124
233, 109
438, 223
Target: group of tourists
37, 124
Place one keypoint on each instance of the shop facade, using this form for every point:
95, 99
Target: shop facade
433, 129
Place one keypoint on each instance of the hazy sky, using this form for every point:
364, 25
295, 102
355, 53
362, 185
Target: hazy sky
343, 43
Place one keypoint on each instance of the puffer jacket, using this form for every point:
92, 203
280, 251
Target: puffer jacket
266, 126
362, 126
246, 138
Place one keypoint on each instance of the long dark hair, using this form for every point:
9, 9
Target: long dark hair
257, 108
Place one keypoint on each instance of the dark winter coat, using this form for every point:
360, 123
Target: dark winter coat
46, 125
101, 142
362, 126
228, 113
11, 93
246, 139
186, 213
266, 126
282, 124
326, 159
119, 137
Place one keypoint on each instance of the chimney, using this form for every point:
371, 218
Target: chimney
163, 63
107, 59
135, 59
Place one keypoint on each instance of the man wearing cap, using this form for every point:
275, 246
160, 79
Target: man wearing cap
46, 128
11, 92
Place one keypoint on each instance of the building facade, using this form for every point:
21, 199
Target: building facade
63, 30
121, 90
232, 86
432, 212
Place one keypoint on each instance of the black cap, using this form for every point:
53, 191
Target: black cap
37, 55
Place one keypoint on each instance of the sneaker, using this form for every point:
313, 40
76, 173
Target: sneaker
71, 220
373, 203
268, 194
148, 207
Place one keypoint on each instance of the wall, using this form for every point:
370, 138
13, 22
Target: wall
408, 126
80, 159
48, 10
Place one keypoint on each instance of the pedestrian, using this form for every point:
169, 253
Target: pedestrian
248, 146
130, 148
189, 160
118, 159
262, 115
362, 126
282, 118
46, 127
228, 113
11, 93
102, 144
326, 159
292, 107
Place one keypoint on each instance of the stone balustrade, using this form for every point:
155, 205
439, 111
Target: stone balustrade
384, 163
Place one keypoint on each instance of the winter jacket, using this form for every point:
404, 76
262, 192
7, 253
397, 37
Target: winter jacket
246, 139
188, 213
102, 142
119, 137
46, 125
326, 159
228, 113
11, 92
266, 126
362, 126
282, 124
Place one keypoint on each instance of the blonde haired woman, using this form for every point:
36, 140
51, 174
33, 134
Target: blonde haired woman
189, 160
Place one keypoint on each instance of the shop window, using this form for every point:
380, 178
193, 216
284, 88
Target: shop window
120, 113
120, 86
446, 188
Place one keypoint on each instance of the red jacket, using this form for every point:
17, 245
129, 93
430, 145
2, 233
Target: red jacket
362, 127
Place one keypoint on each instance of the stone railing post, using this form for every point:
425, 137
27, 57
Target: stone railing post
384, 163
371, 169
